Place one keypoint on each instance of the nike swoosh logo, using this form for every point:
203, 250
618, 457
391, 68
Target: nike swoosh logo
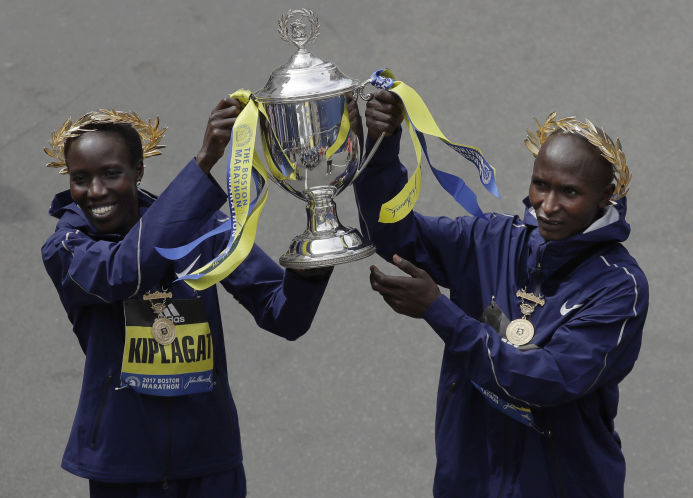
565, 309
187, 270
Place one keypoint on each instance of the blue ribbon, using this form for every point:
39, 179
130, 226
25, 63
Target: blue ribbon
453, 184
176, 253
517, 413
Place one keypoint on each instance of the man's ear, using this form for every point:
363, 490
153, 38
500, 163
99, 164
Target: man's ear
606, 195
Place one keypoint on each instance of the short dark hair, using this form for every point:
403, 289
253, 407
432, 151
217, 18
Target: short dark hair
127, 132
597, 153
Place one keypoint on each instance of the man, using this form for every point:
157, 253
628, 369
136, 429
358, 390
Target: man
155, 416
544, 319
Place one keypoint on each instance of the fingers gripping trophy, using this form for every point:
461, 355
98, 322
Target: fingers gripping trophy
313, 146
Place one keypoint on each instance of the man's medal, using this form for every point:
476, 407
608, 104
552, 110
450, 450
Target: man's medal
163, 329
520, 331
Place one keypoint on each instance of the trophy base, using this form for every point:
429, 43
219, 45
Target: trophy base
311, 251
325, 241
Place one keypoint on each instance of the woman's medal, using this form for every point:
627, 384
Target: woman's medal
520, 331
163, 329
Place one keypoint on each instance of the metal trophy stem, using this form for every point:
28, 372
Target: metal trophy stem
325, 242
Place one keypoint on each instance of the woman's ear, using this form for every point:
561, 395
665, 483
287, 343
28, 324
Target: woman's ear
139, 171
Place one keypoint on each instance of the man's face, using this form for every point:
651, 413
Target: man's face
103, 182
570, 186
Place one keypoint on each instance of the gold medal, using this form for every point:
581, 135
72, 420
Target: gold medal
519, 332
163, 331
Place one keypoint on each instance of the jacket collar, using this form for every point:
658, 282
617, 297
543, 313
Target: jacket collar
610, 228
64, 208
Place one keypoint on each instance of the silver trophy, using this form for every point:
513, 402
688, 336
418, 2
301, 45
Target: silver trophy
314, 150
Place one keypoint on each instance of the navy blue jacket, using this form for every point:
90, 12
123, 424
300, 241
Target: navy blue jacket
587, 338
123, 436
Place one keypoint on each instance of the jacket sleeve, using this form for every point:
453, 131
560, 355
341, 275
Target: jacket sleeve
281, 301
90, 271
444, 247
599, 344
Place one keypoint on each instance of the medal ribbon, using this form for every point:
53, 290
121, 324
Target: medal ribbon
242, 165
244, 215
420, 121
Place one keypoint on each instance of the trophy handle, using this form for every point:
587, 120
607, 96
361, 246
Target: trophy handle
359, 92
370, 155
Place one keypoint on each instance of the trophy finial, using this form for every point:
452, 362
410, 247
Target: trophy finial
299, 26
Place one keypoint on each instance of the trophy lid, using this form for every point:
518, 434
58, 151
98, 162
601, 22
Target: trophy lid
304, 76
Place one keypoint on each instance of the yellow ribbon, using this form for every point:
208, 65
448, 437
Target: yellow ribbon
344, 127
243, 159
403, 203
418, 117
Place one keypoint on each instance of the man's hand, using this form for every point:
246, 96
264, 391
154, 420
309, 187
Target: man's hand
383, 114
218, 132
409, 296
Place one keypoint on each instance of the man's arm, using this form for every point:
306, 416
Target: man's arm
440, 245
599, 344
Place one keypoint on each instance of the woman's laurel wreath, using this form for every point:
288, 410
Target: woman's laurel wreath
149, 131
611, 151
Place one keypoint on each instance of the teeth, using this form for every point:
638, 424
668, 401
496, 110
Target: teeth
547, 221
101, 210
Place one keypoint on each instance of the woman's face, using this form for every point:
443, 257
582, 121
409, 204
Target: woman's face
103, 181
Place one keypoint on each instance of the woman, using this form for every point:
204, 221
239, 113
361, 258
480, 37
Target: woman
155, 415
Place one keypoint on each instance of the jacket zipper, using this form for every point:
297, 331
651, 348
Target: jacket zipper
99, 413
556, 466
538, 272
448, 395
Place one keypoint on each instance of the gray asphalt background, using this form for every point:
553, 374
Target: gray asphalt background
348, 410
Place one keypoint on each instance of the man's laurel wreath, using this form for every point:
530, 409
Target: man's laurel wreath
611, 151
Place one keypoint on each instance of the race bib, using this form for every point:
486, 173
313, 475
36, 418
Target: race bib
170, 354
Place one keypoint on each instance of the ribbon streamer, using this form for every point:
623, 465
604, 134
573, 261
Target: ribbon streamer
420, 121
244, 215
243, 165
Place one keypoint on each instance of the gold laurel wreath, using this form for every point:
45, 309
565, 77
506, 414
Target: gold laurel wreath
149, 131
611, 151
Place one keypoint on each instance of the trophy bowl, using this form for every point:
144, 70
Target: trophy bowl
314, 151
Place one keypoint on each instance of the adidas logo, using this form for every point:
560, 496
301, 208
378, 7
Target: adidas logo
172, 314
